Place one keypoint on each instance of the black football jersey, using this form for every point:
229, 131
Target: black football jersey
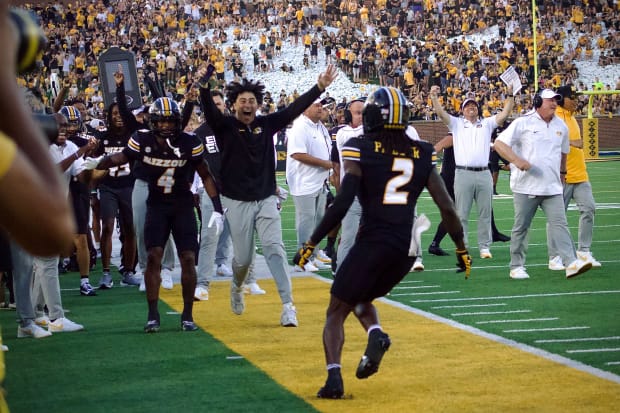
169, 170
118, 176
390, 186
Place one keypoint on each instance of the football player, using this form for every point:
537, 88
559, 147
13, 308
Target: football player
387, 171
168, 158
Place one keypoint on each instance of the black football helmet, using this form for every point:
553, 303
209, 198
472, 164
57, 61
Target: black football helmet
385, 109
74, 118
165, 110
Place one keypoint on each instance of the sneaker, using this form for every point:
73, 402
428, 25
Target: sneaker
555, 264
378, 344
237, 304
310, 267
105, 282
417, 265
63, 325
587, 256
12, 306
32, 330
323, 257
319, 265
188, 326
333, 388
152, 326
130, 278
499, 237
201, 293
166, 279
437, 250
224, 270
289, 316
87, 290
485, 253
42, 321
519, 273
577, 267
253, 289
142, 286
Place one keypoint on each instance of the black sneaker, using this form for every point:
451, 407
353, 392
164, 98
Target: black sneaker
378, 344
152, 326
333, 389
87, 290
499, 237
437, 250
188, 326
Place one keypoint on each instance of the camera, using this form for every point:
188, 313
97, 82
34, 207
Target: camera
31, 39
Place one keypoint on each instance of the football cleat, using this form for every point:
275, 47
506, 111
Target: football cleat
378, 344
333, 388
152, 326
188, 326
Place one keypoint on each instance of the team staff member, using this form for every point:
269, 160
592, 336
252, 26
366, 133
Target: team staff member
471, 136
249, 182
576, 185
536, 146
379, 259
307, 169
169, 158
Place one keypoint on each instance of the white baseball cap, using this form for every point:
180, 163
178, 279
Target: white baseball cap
549, 94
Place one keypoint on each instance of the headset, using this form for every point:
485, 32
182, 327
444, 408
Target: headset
537, 101
348, 117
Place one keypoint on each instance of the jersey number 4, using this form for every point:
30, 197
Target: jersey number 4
166, 180
391, 194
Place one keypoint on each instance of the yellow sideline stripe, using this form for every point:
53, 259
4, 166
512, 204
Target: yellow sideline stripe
431, 367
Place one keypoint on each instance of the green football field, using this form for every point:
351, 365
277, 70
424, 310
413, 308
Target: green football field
248, 364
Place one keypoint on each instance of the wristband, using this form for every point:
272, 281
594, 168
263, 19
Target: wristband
562, 172
217, 204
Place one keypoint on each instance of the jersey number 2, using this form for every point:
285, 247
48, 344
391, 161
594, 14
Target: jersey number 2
392, 195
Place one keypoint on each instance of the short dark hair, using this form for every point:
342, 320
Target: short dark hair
235, 88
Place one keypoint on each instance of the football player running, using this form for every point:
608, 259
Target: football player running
387, 171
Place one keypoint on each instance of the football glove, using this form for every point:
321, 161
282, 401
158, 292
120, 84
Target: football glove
91, 163
216, 219
464, 262
303, 255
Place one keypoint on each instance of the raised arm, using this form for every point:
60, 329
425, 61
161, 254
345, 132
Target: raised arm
439, 110
509, 104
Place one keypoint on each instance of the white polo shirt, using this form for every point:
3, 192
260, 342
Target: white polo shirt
542, 145
313, 139
472, 141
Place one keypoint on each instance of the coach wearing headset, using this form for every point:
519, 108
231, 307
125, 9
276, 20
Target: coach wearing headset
536, 146
471, 138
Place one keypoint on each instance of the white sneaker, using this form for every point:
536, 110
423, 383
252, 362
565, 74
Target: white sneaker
237, 303
224, 270
417, 265
321, 256
32, 330
63, 325
201, 293
142, 287
577, 267
485, 253
166, 279
519, 273
42, 321
587, 256
253, 289
319, 265
289, 316
555, 263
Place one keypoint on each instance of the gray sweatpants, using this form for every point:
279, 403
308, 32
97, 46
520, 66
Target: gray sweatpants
244, 217
525, 209
309, 210
348, 230
22, 284
46, 287
470, 186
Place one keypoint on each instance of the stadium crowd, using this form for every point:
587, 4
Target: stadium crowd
402, 43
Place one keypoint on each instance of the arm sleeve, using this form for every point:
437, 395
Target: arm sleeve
128, 118
335, 213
